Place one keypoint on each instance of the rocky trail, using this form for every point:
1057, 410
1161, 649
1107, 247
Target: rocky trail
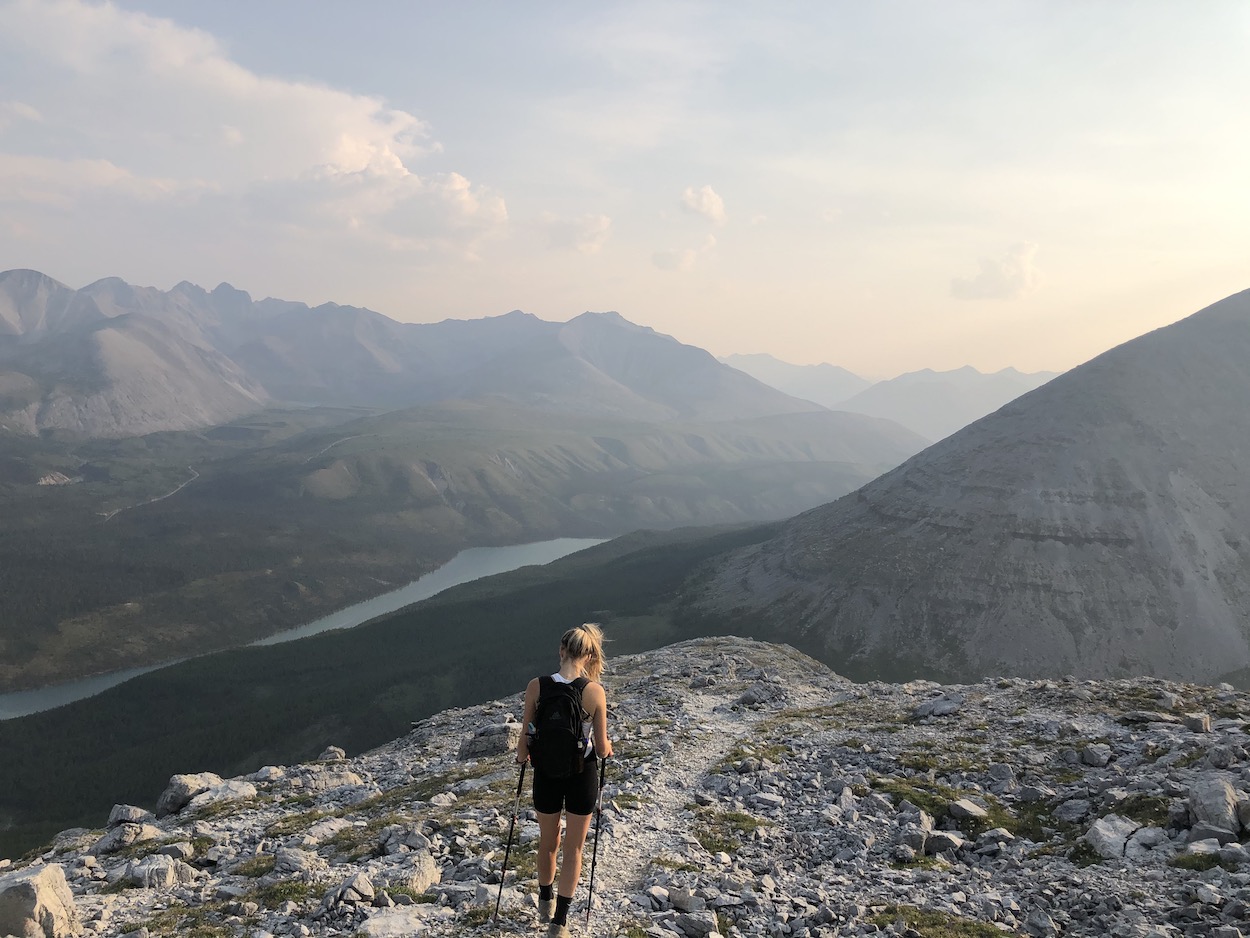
754, 793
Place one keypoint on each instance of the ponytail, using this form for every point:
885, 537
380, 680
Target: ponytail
585, 641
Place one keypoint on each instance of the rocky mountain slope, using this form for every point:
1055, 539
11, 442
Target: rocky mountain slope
113, 359
98, 363
1096, 526
755, 792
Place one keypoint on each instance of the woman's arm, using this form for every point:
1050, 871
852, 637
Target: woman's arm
597, 704
531, 702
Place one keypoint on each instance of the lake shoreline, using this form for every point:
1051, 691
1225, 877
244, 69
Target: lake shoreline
468, 565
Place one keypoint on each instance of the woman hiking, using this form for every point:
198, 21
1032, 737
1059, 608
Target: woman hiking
558, 785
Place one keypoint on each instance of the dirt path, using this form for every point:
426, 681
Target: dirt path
109, 515
647, 816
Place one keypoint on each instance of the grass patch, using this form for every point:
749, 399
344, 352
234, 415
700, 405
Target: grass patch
1145, 809
919, 862
298, 891
257, 866
1082, 854
768, 752
935, 799
1200, 862
722, 831
181, 921
294, 823
424, 898
931, 924
478, 916
221, 808
117, 886
942, 765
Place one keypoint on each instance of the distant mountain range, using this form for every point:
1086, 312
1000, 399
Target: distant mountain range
827, 385
113, 359
1098, 526
931, 403
313, 457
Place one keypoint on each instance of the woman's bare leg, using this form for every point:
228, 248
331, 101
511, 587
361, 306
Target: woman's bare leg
548, 844
575, 829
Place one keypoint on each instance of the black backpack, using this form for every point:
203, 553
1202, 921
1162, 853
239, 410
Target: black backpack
557, 746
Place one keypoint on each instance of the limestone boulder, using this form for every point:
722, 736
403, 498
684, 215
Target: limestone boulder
1109, 835
1213, 801
158, 872
492, 740
181, 789
122, 836
234, 790
128, 814
37, 903
419, 872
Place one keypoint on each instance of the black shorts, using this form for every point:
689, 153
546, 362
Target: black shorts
575, 794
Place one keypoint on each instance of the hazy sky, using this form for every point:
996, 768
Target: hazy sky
886, 185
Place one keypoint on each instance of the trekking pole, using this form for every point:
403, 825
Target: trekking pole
594, 856
516, 806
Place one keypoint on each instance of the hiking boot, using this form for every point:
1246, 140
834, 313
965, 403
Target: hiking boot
558, 931
545, 909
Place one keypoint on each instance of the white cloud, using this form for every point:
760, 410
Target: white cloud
704, 201
1006, 278
129, 103
683, 260
585, 233
12, 112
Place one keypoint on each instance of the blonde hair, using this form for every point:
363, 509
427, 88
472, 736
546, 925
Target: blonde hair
585, 641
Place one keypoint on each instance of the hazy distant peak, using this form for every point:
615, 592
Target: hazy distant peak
613, 318
187, 288
111, 283
224, 290
24, 277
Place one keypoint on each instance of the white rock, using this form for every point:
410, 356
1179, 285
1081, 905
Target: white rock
37, 903
233, 790
963, 808
159, 872
405, 921
1213, 800
325, 829
123, 836
180, 791
1109, 835
128, 814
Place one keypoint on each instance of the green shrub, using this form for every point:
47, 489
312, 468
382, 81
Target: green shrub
930, 924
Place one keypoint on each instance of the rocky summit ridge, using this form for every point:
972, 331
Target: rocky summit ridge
755, 792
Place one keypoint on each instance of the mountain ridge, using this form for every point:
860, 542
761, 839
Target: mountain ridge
1093, 526
255, 352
